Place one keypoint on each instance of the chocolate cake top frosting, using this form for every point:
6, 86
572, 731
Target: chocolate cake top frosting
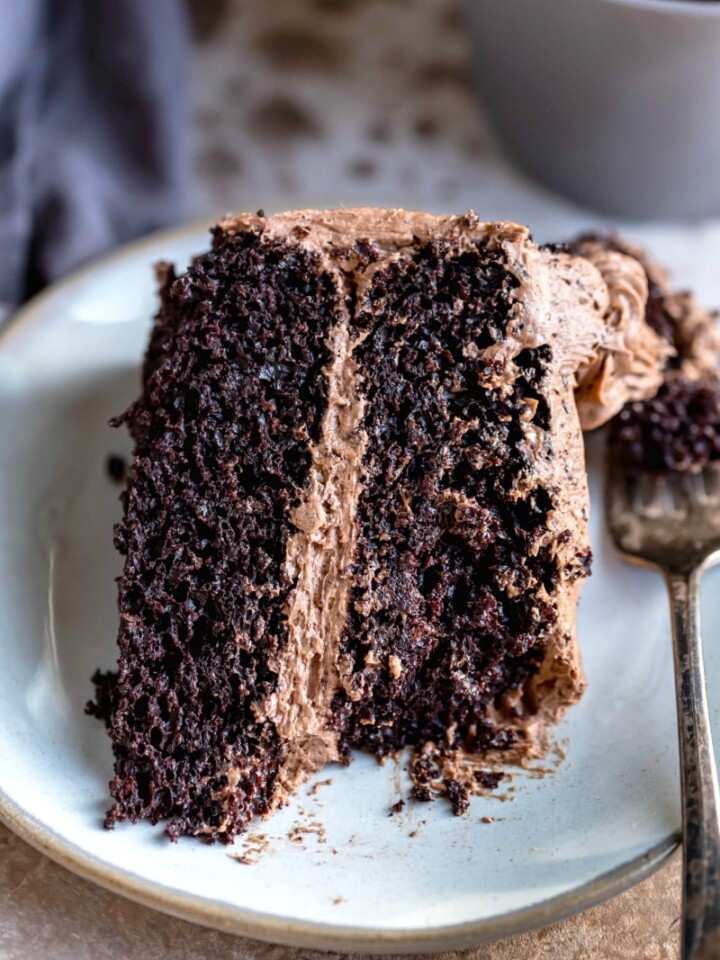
613, 353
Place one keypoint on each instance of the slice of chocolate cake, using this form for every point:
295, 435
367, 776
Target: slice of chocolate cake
356, 515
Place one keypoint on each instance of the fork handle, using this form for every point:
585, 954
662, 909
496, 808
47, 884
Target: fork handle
700, 797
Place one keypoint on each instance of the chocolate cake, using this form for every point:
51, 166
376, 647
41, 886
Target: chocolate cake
356, 514
677, 429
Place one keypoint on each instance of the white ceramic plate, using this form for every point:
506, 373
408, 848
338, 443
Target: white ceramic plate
420, 880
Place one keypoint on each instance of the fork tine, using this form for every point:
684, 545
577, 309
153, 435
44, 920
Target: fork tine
647, 493
711, 478
621, 490
695, 488
671, 520
663, 496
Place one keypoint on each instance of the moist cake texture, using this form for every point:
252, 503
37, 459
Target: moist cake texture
356, 515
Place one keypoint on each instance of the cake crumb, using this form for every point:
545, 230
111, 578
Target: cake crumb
487, 819
116, 467
299, 831
414, 833
396, 807
338, 900
255, 846
242, 858
312, 792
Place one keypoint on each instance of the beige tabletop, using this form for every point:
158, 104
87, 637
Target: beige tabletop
307, 103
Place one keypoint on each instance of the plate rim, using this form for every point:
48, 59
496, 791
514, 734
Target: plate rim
227, 918
256, 924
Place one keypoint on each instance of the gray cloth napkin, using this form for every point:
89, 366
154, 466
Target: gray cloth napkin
92, 131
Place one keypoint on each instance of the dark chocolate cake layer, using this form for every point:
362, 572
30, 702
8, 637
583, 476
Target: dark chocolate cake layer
234, 394
357, 510
451, 601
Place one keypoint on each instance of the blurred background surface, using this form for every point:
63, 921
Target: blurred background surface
337, 101
120, 117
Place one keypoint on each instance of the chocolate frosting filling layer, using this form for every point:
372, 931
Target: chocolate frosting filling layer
318, 560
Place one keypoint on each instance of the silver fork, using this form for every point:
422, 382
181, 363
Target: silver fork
672, 522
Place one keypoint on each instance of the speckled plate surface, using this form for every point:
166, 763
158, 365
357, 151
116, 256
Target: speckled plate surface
337, 871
